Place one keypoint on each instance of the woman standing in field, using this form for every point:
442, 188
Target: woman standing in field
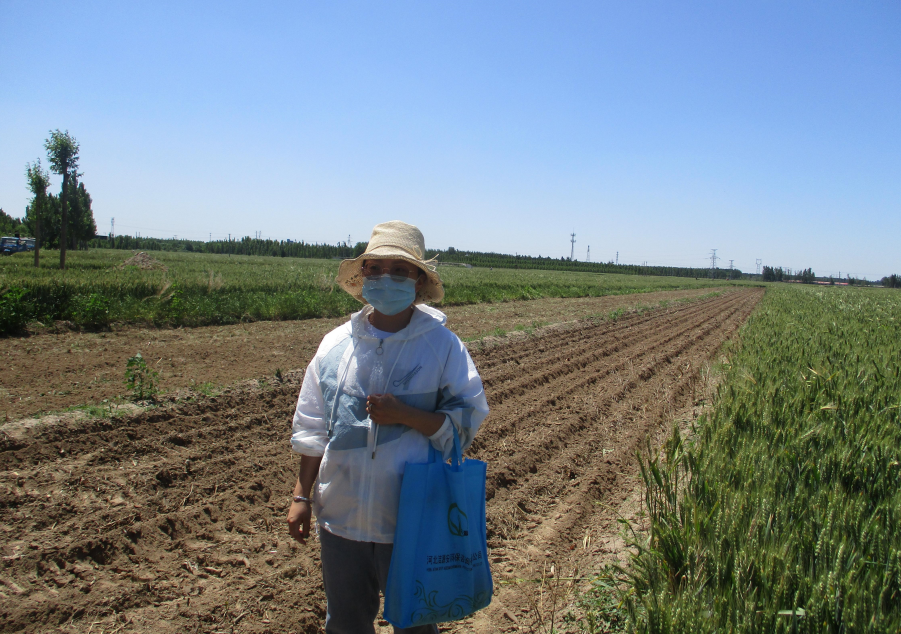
379, 390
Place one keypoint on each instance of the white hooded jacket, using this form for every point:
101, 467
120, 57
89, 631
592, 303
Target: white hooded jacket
424, 365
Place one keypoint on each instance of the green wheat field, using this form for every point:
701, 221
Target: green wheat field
782, 512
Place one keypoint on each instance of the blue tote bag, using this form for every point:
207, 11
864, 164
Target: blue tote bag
439, 568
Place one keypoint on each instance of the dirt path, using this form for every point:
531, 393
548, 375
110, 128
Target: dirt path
173, 520
50, 372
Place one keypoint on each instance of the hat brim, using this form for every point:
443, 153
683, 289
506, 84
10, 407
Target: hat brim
350, 278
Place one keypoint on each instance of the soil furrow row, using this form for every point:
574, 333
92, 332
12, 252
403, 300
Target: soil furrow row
565, 362
540, 445
555, 346
600, 366
613, 404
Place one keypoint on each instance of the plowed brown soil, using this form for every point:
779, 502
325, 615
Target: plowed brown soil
173, 520
53, 371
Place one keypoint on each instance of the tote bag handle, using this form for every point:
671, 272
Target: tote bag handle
456, 454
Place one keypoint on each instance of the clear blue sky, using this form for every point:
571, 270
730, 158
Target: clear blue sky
660, 130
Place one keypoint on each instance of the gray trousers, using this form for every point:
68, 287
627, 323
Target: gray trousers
354, 573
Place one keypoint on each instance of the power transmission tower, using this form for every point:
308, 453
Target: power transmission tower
112, 228
588, 255
759, 262
712, 263
730, 268
617, 258
572, 251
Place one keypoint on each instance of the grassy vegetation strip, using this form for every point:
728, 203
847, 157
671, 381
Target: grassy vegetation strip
784, 514
206, 289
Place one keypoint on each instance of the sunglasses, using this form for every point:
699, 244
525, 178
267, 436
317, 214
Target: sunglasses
397, 272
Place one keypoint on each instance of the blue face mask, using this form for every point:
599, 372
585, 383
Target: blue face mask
388, 295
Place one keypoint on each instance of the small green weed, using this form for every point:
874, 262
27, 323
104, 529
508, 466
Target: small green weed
140, 379
95, 411
601, 607
207, 388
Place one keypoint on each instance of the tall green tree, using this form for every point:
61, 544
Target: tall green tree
62, 153
81, 217
81, 227
38, 182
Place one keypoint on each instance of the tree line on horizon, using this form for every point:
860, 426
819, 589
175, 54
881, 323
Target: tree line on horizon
301, 249
807, 276
779, 274
236, 246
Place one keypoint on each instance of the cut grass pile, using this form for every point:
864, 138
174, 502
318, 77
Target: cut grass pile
205, 289
784, 512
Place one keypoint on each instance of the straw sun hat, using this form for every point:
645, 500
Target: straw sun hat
393, 240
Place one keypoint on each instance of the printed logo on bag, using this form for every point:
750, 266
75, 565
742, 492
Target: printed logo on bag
457, 522
449, 561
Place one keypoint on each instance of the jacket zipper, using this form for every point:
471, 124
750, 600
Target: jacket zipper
375, 440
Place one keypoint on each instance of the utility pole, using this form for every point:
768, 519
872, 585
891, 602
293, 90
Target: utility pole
572, 251
713, 263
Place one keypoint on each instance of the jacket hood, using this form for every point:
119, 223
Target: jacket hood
424, 319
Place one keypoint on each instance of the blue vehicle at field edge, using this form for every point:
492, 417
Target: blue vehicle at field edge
15, 244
